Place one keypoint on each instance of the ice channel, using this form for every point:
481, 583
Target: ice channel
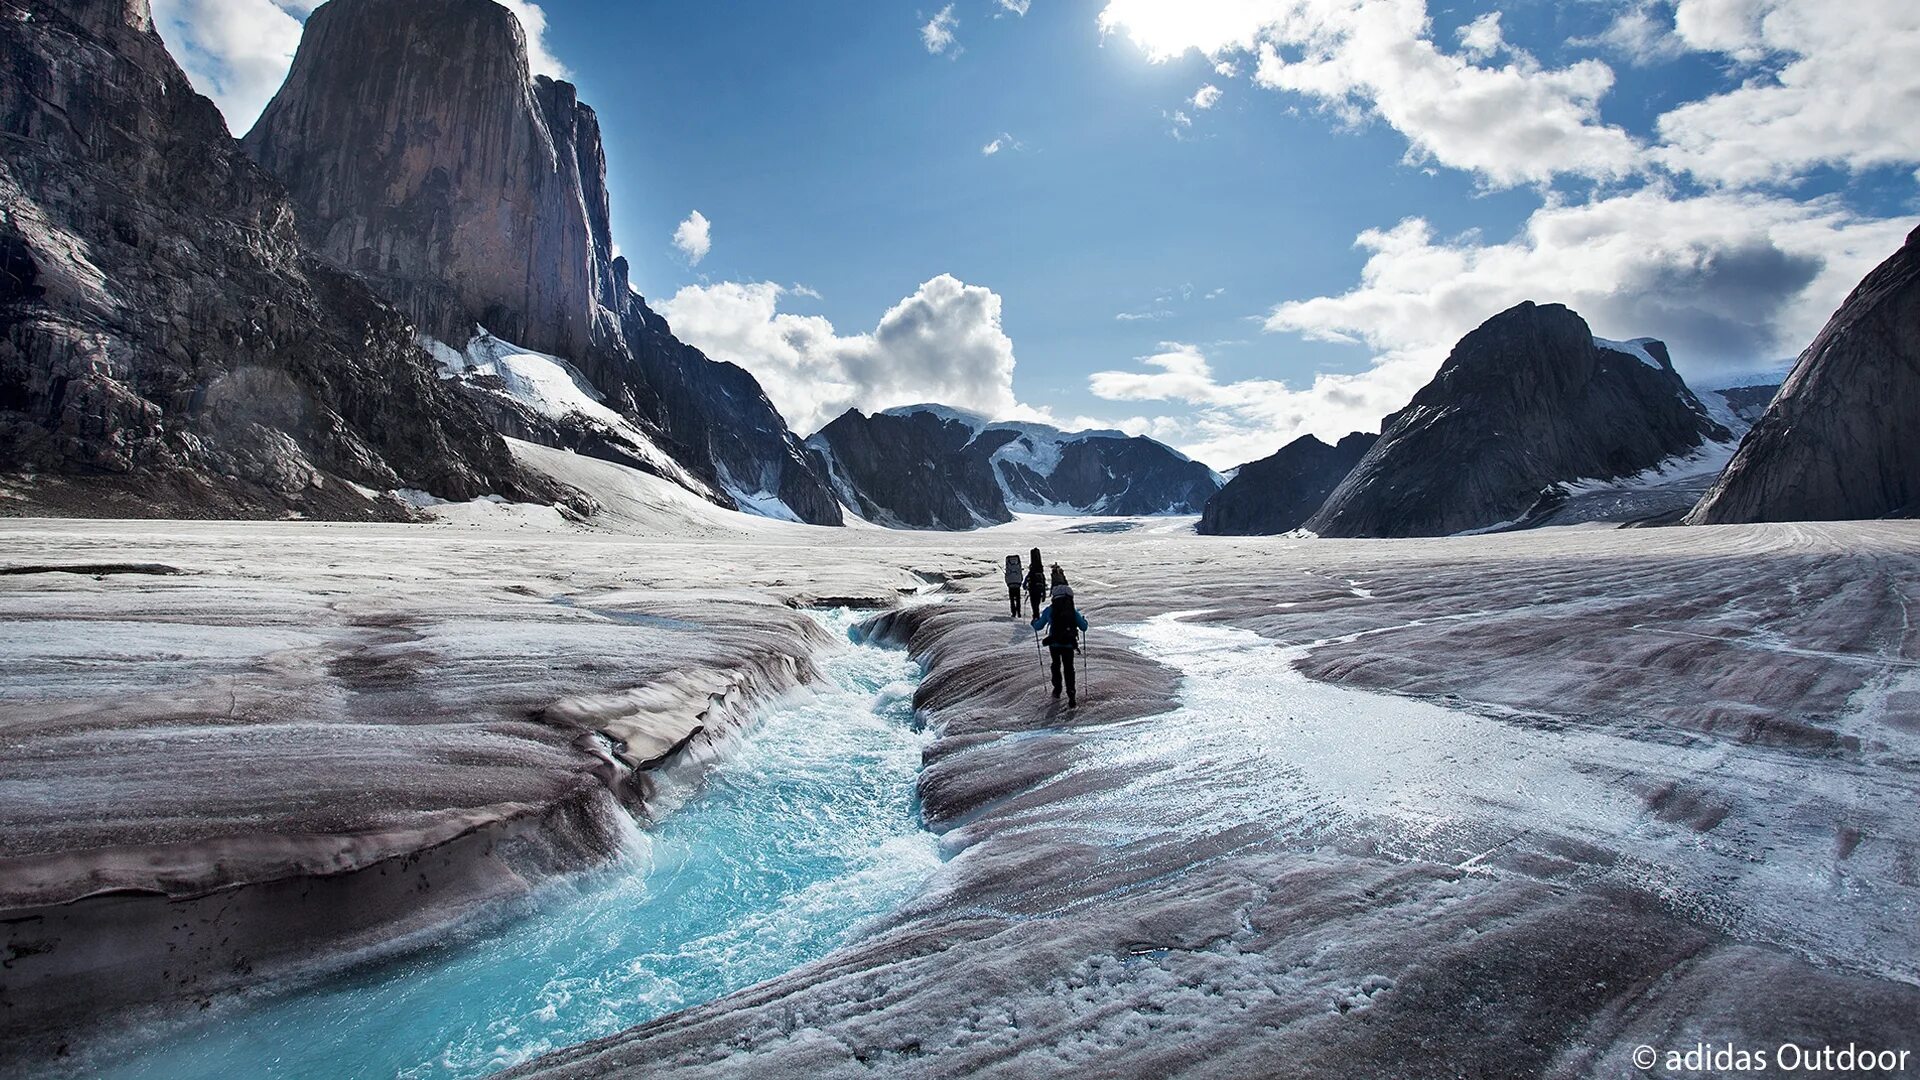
807, 831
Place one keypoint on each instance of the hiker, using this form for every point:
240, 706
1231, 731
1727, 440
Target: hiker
1036, 581
1063, 623
1014, 579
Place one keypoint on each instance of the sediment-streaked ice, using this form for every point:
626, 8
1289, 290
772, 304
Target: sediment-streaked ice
805, 831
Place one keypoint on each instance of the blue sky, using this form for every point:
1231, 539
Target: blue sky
1292, 250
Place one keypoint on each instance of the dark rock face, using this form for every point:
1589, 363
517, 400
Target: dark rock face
1279, 493
919, 470
930, 467
167, 343
1527, 400
423, 157
1839, 441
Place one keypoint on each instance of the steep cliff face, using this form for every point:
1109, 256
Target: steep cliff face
423, 157
1839, 441
1528, 400
167, 343
933, 467
1280, 492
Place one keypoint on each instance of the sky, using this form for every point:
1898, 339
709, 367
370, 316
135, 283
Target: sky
1222, 223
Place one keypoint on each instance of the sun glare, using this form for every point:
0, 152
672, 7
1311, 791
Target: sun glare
1165, 29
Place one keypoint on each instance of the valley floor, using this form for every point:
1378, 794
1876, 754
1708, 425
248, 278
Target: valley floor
1506, 805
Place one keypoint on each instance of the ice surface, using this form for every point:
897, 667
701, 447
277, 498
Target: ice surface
806, 830
1491, 806
1611, 815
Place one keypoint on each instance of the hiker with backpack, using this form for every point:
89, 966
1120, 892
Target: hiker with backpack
1036, 581
1063, 624
1015, 578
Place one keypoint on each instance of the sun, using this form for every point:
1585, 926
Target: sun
1166, 29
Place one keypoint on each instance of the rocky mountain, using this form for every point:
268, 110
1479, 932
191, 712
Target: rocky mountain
1529, 400
1838, 441
932, 467
1748, 403
422, 156
1280, 492
168, 344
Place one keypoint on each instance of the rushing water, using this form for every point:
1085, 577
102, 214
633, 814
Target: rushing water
809, 829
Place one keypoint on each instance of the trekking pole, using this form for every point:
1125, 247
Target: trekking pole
1086, 664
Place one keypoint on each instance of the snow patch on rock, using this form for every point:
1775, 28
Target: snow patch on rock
1636, 348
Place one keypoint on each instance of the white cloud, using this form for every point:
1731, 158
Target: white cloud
1825, 84
1017, 7
1000, 142
533, 20
937, 34
1515, 123
944, 344
1832, 84
237, 51
1482, 38
1726, 279
1206, 97
1643, 34
1231, 423
694, 237
234, 51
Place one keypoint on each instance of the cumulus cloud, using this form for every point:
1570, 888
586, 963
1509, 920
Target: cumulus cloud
943, 344
237, 52
937, 34
1206, 97
1831, 84
1726, 279
1230, 423
1518, 122
234, 51
694, 237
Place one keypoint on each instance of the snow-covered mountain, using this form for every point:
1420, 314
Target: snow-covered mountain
422, 156
1526, 409
936, 467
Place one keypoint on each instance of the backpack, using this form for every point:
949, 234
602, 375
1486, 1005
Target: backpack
1064, 627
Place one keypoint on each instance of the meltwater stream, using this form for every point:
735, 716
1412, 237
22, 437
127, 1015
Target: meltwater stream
808, 830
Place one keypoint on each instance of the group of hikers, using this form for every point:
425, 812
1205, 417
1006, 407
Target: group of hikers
1053, 612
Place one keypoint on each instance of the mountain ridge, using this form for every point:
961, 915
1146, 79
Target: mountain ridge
934, 466
423, 155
